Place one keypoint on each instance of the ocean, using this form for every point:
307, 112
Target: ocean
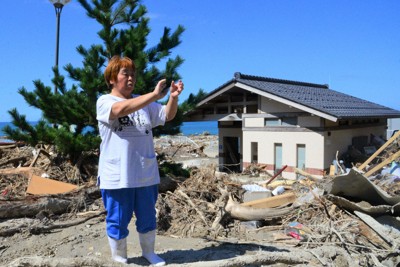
187, 128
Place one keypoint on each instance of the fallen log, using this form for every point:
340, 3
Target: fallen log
244, 213
55, 204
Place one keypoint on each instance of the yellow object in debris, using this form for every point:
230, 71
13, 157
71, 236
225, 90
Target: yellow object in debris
281, 182
332, 170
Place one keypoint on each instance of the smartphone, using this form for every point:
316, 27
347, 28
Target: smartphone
168, 85
165, 90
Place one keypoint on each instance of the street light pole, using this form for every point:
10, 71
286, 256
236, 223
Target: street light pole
58, 6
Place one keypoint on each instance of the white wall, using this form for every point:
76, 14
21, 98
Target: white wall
314, 143
321, 148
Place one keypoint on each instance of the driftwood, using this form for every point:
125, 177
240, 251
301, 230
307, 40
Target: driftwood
243, 213
193, 205
56, 204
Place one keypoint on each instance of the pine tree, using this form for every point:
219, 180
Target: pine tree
73, 111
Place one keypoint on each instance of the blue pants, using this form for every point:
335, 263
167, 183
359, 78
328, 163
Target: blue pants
120, 205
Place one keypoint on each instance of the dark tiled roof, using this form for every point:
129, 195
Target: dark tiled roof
318, 97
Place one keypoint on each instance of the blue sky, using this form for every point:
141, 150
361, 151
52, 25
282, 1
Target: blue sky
354, 46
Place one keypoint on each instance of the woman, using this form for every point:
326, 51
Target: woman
128, 170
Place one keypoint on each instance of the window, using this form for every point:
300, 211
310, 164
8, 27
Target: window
301, 156
286, 121
272, 122
278, 157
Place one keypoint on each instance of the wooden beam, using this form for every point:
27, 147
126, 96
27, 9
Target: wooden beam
388, 142
271, 202
383, 163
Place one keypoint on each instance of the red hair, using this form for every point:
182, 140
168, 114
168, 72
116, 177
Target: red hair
115, 64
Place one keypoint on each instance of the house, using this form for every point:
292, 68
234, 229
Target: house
274, 122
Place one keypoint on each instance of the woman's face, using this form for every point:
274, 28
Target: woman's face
125, 81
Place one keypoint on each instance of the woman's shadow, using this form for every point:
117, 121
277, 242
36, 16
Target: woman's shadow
221, 251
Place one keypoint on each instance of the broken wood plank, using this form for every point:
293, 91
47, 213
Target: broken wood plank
44, 186
271, 202
383, 164
377, 227
388, 142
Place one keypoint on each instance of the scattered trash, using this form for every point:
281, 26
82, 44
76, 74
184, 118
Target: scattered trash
251, 224
297, 231
278, 190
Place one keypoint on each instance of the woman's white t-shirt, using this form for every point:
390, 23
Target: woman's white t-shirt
127, 155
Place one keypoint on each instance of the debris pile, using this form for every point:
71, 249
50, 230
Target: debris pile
348, 219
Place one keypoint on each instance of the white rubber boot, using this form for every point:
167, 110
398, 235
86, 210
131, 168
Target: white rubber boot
118, 250
147, 241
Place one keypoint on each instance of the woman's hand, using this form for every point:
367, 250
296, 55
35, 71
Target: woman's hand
176, 88
172, 105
